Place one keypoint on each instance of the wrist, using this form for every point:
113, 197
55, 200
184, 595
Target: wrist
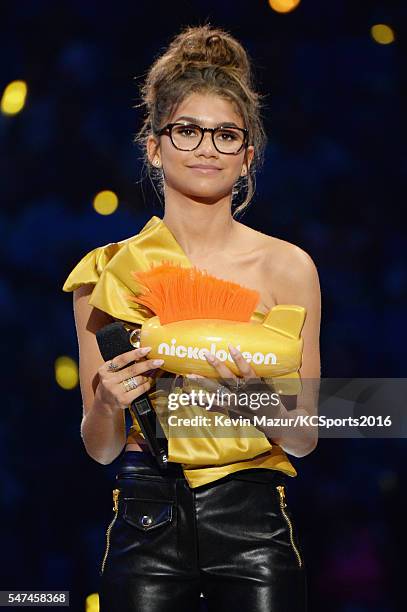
262, 399
103, 409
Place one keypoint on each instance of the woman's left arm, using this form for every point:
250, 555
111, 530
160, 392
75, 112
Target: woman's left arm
297, 282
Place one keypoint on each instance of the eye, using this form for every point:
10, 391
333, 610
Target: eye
228, 135
186, 131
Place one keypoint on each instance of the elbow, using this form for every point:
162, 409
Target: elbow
104, 461
302, 447
101, 459
311, 446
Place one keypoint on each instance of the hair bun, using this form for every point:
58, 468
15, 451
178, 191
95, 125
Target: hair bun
205, 46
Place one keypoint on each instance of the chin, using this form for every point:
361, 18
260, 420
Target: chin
207, 195
204, 188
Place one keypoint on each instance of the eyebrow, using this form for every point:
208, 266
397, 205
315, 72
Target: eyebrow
197, 121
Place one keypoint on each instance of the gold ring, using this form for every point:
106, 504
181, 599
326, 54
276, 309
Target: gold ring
130, 383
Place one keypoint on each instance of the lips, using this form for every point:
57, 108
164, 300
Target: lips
205, 169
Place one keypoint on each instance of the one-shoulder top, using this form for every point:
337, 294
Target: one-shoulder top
206, 458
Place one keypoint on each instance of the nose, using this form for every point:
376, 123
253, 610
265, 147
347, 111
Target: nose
206, 146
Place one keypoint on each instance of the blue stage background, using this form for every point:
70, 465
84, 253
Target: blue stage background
332, 183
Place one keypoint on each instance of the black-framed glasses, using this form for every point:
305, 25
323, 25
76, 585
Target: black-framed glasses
188, 136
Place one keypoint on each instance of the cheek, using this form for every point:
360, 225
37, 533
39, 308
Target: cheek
234, 169
174, 162
170, 157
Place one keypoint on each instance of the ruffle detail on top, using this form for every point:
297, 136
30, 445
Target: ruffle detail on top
91, 266
109, 268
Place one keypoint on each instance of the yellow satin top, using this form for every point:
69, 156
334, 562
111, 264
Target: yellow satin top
203, 459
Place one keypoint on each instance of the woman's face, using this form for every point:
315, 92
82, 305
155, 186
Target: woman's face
180, 167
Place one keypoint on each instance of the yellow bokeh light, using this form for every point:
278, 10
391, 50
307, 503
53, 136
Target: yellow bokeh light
382, 34
13, 98
105, 202
284, 6
92, 603
66, 372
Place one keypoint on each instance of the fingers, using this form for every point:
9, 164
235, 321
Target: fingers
208, 384
211, 386
244, 367
227, 376
120, 361
224, 372
196, 382
219, 366
138, 368
125, 398
131, 364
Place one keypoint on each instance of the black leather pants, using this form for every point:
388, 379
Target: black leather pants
234, 540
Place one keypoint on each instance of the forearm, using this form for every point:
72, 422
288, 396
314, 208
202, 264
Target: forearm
297, 440
273, 420
103, 432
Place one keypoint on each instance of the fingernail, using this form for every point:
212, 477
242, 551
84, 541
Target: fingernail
145, 350
233, 350
210, 357
158, 362
194, 376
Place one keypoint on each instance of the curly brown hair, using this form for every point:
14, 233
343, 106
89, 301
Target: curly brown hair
206, 60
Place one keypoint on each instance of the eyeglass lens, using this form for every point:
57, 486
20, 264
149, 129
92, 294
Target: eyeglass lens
187, 137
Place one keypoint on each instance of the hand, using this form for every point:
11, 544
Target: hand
112, 392
226, 374
232, 385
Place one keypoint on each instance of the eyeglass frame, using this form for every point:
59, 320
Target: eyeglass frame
169, 127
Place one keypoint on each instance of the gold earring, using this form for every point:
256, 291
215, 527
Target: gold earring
157, 162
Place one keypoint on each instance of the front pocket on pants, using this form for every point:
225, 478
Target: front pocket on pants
143, 534
147, 514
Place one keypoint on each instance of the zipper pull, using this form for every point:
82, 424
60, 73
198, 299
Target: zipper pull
116, 499
282, 494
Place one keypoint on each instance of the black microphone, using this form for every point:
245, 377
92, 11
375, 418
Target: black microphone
114, 339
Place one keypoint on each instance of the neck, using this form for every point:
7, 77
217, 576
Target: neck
199, 228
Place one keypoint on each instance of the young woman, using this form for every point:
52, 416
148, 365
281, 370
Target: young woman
216, 522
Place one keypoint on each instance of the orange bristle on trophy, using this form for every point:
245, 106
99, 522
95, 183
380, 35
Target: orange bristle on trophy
175, 293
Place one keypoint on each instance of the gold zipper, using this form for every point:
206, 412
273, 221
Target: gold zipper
283, 505
116, 493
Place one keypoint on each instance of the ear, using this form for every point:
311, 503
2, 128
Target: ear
153, 149
248, 158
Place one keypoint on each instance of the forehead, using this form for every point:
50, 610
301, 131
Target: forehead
208, 110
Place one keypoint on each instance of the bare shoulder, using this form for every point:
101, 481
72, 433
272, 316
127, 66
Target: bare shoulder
290, 267
280, 252
289, 259
295, 278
